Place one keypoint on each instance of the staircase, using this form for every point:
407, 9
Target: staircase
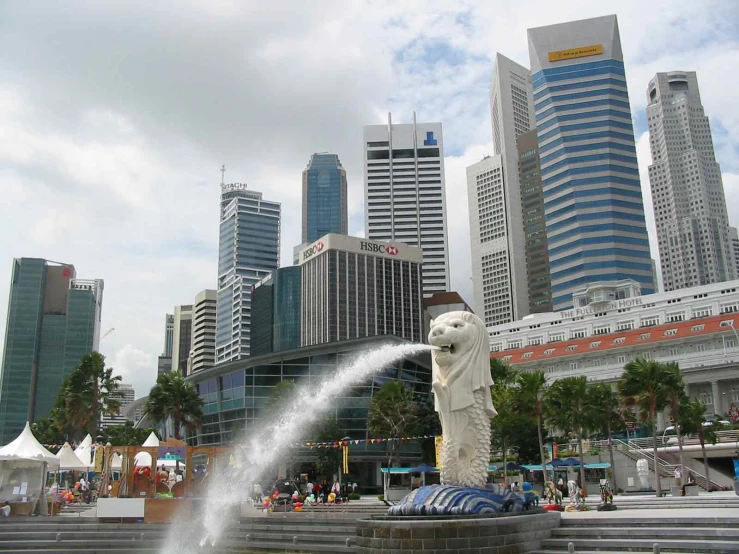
599, 534
635, 452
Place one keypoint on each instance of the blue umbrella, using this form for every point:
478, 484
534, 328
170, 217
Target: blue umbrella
513, 466
558, 463
424, 468
572, 462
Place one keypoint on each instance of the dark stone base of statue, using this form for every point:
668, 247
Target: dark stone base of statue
606, 507
451, 500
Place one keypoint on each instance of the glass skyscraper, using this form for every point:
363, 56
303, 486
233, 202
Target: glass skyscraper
593, 207
324, 197
275, 312
249, 249
53, 320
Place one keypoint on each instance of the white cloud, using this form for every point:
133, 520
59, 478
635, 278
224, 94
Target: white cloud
114, 126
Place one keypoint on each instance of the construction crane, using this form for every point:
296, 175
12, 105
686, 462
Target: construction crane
108, 332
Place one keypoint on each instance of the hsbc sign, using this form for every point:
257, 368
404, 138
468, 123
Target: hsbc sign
379, 248
315, 249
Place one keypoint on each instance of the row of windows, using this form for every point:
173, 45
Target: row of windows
582, 84
600, 203
586, 169
581, 105
588, 136
593, 146
576, 184
577, 95
586, 254
573, 194
585, 217
585, 125
609, 114
578, 71
603, 239
597, 265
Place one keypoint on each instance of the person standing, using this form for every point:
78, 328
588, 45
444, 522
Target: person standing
325, 490
309, 488
84, 490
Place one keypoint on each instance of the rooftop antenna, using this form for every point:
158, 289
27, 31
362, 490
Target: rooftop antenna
223, 174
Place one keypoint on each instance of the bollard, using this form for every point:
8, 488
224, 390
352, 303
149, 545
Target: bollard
348, 542
570, 547
58, 537
655, 548
295, 539
248, 537
142, 536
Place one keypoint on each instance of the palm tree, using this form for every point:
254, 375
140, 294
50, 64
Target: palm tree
675, 397
504, 427
692, 418
529, 398
174, 397
567, 408
643, 386
605, 407
86, 395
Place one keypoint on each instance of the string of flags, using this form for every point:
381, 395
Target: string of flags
343, 443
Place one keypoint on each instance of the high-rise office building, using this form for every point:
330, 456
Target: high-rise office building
512, 114
249, 249
168, 335
491, 262
203, 346
182, 337
593, 206
534, 224
324, 198
276, 311
734, 236
687, 190
354, 287
53, 320
127, 397
404, 193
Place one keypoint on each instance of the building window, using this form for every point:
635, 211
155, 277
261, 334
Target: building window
557, 337
670, 333
515, 344
595, 344
700, 347
729, 343
677, 316
619, 340
573, 365
624, 326
707, 399
550, 369
526, 355
673, 352
596, 363
727, 323
647, 355
602, 330
649, 321
695, 328
730, 308
571, 348
734, 395
507, 358
495, 347
549, 351
535, 341
702, 312
579, 334
622, 359
644, 336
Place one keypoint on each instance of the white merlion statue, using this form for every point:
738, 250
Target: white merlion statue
461, 382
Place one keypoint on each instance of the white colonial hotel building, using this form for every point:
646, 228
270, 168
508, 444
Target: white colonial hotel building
612, 324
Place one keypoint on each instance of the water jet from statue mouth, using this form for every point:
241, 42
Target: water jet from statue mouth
447, 348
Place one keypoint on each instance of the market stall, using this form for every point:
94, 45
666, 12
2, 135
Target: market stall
23, 466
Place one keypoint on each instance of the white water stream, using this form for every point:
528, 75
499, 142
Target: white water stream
231, 486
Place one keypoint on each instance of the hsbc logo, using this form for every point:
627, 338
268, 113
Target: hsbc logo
379, 248
315, 249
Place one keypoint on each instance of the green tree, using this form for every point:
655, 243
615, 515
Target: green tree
328, 459
504, 427
607, 415
531, 389
174, 397
46, 431
279, 400
86, 395
501, 371
429, 424
692, 418
675, 398
567, 408
127, 435
393, 413
643, 387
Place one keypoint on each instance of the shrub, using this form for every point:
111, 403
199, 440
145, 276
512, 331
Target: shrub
381, 498
354, 496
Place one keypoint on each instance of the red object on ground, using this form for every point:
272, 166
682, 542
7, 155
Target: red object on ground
553, 507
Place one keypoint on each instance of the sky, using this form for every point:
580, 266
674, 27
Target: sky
115, 118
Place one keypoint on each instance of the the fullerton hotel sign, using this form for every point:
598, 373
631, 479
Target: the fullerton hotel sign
602, 307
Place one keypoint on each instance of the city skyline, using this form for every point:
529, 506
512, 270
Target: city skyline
150, 223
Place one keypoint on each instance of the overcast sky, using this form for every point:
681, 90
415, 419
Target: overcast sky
115, 120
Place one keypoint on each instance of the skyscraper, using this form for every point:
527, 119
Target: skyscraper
491, 264
276, 311
354, 287
168, 335
324, 197
249, 249
687, 190
734, 235
53, 320
203, 345
534, 225
592, 195
128, 395
182, 337
404, 193
512, 113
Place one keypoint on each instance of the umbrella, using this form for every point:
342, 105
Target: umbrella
424, 468
557, 462
572, 462
513, 466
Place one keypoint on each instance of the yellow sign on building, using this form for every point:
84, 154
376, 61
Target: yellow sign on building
438, 439
581, 52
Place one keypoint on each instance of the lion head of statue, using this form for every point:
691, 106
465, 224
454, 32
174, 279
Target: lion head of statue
462, 356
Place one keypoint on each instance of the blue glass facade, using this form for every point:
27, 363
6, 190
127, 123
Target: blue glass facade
53, 320
594, 213
324, 198
249, 250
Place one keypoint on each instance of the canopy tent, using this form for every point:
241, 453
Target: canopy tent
593, 465
572, 462
69, 461
424, 468
397, 470
84, 451
143, 459
26, 447
151, 440
557, 462
513, 466
492, 468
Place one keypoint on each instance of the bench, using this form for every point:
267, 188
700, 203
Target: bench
691, 489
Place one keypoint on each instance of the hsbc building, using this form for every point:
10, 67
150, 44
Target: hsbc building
354, 287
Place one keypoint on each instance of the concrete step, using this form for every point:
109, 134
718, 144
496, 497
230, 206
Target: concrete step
300, 547
680, 532
636, 545
302, 537
662, 521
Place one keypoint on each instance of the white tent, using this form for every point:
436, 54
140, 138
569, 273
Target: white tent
69, 461
84, 451
143, 459
151, 440
26, 447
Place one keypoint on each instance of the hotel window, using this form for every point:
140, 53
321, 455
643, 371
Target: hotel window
496, 347
676, 316
702, 312
571, 348
602, 330
573, 365
624, 326
649, 321
730, 308
700, 347
595, 344
695, 328
729, 343
734, 395
535, 341
673, 352
727, 323
507, 358
622, 359
644, 336
515, 344
549, 351
707, 399
526, 355
619, 340
647, 355
670, 333
557, 337
579, 334
596, 363
550, 369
